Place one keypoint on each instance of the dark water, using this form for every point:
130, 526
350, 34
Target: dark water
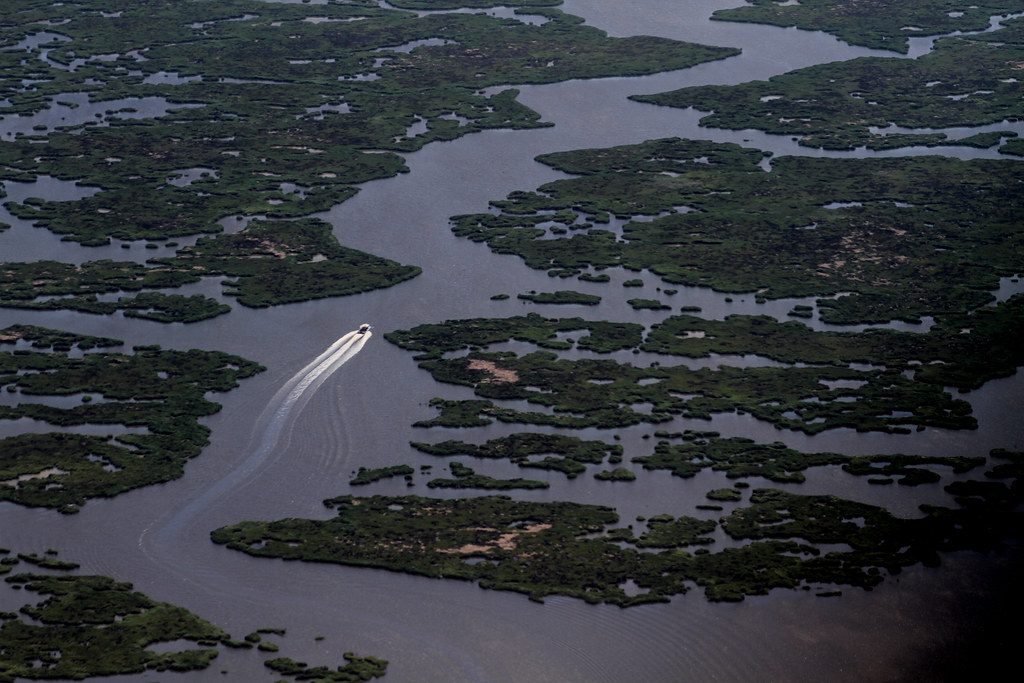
270, 459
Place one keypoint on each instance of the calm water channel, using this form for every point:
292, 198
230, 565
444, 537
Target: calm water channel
157, 538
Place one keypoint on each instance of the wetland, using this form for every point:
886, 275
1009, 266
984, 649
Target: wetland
788, 361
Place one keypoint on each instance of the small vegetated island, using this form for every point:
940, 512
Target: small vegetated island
151, 399
821, 385
737, 457
881, 24
87, 625
272, 262
881, 102
572, 549
556, 452
888, 235
562, 296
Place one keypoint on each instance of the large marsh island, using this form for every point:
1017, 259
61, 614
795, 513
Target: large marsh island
763, 351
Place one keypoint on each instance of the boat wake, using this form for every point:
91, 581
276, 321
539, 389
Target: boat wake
276, 419
297, 391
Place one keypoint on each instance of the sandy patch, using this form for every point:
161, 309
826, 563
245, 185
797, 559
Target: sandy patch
497, 374
506, 541
38, 475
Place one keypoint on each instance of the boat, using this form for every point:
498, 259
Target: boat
364, 328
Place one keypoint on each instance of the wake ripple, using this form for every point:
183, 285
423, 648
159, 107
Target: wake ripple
277, 421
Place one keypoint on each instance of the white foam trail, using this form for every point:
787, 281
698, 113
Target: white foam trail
287, 402
297, 391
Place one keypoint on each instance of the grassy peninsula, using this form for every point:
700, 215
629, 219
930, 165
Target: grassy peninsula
565, 395
94, 626
432, 340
